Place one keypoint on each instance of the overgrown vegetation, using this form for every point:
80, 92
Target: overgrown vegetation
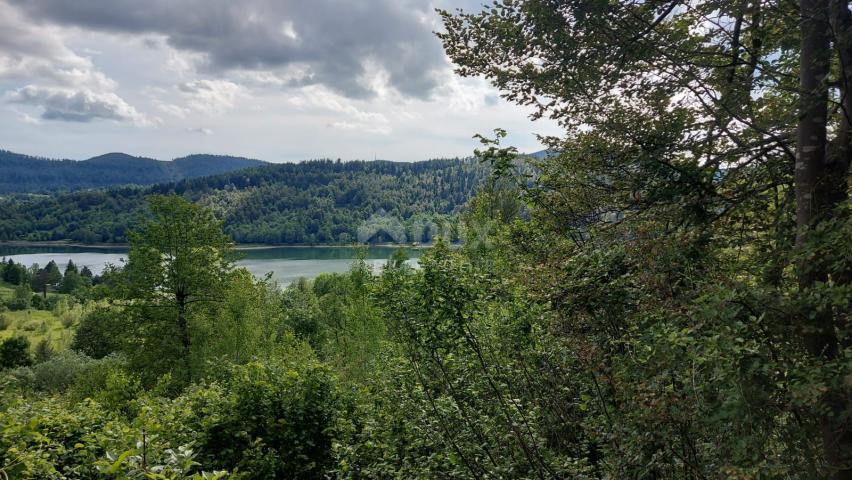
667, 295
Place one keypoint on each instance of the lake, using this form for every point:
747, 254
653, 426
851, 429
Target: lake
285, 263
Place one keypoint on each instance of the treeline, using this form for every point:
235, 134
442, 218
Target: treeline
310, 202
26, 174
31, 284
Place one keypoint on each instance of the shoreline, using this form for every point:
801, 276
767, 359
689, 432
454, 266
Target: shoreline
238, 246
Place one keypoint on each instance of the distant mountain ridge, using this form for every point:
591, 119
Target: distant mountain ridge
26, 174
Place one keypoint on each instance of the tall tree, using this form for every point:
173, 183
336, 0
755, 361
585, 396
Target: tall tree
14, 273
178, 259
822, 167
53, 273
70, 267
690, 122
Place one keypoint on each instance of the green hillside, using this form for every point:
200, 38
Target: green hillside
309, 202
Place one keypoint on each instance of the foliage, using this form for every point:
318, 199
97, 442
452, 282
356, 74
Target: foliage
15, 352
22, 298
273, 420
14, 273
244, 325
689, 323
645, 300
309, 202
53, 375
178, 261
43, 351
48, 439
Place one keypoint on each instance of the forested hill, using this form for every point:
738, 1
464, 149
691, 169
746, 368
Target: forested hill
311, 202
22, 173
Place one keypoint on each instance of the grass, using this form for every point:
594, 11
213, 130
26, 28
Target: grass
36, 325
6, 291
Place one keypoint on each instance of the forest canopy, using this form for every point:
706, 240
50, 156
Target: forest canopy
308, 202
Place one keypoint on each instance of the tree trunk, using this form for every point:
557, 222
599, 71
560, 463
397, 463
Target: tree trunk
840, 151
183, 328
818, 183
813, 118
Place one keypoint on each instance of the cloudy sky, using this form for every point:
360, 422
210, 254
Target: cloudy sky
279, 80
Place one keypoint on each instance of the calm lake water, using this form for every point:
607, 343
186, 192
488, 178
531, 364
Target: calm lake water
285, 263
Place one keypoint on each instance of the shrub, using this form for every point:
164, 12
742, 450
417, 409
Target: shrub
17, 304
99, 333
4, 322
68, 319
271, 421
15, 352
50, 303
43, 351
119, 389
50, 439
60, 306
54, 375
38, 302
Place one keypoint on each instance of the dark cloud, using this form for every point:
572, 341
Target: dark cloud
76, 106
335, 42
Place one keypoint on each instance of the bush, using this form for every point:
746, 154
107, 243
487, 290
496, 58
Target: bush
93, 379
15, 352
68, 311
43, 351
99, 333
270, 420
4, 322
68, 319
54, 375
50, 439
17, 304
38, 302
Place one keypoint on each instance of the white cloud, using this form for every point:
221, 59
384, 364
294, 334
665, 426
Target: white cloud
211, 96
335, 38
270, 80
65, 85
33, 52
466, 95
77, 105
25, 117
353, 118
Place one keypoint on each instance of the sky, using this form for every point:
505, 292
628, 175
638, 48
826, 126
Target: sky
277, 80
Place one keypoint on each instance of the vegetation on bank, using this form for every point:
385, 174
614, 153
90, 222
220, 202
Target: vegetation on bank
42, 305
